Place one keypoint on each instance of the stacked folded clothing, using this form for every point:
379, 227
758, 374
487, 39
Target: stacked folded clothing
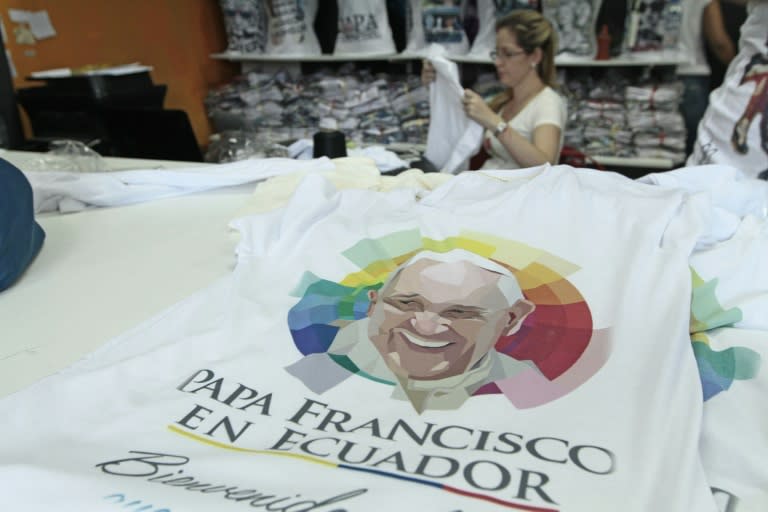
610, 117
369, 109
655, 120
597, 123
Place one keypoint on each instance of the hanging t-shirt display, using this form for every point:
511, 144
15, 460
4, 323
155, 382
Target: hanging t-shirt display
734, 129
291, 27
375, 352
488, 11
653, 25
363, 28
245, 22
436, 22
575, 22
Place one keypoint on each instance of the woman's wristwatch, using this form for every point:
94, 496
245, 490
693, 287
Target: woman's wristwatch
500, 128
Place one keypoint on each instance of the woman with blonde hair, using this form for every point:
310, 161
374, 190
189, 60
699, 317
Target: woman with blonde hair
525, 123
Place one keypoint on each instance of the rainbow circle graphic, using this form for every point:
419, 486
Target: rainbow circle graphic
553, 337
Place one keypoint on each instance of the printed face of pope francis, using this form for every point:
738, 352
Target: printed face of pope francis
437, 319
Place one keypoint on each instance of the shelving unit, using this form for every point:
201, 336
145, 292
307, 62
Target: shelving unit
641, 59
260, 57
251, 61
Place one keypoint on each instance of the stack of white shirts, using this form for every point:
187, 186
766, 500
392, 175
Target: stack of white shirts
510, 341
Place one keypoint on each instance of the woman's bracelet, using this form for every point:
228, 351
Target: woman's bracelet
500, 128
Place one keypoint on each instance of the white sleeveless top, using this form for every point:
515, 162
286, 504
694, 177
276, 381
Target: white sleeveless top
547, 107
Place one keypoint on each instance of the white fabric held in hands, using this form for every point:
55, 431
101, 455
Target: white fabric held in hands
452, 137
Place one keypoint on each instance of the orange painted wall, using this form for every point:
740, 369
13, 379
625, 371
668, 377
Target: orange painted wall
175, 37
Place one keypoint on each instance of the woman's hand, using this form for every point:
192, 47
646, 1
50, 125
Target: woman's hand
478, 110
427, 72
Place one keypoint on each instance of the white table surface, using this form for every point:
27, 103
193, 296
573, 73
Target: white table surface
103, 271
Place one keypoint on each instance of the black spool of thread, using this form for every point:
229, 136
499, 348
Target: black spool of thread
330, 143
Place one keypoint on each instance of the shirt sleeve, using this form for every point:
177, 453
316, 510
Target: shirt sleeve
550, 109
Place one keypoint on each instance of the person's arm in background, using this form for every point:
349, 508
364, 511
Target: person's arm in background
542, 149
715, 34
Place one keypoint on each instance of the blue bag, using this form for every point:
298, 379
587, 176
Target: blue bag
21, 237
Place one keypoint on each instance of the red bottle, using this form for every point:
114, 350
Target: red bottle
603, 44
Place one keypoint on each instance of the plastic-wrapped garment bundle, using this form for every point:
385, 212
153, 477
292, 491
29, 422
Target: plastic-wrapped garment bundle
607, 143
380, 119
664, 96
268, 113
602, 105
349, 125
653, 25
246, 103
607, 147
245, 22
375, 104
412, 104
300, 132
415, 130
265, 92
363, 28
605, 118
233, 146
291, 27
655, 108
331, 88
575, 23
386, 135
488, 12
362, 95
602, 110
668, 120
660, 139
675, 156
436, 22
405, 85
604, 91
326, 108
301, 114
610, 87
70, 156
573, 138
620, 134
384, 120
660, 144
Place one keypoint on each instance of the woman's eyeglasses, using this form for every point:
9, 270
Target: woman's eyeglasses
504, 54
